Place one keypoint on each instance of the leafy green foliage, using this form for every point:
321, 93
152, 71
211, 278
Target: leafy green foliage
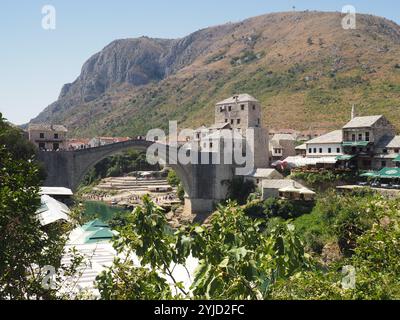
324, 179
240, 189
26, 247
374, 257
238, 259
174, 181
128, 282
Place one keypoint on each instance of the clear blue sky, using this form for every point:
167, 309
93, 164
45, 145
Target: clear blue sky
35, 63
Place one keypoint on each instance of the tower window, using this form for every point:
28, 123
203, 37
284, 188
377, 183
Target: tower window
329, 150
320, 150
238, 121
230, 108
41, 135
231, 121
309, 150
56, 136
242, 107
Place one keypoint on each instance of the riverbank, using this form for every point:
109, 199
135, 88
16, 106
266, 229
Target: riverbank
128, 191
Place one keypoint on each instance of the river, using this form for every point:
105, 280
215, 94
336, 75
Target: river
102, 211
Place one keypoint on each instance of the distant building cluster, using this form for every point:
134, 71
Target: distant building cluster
364, 143
49, 137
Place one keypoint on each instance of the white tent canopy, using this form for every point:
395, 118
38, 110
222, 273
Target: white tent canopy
52, 210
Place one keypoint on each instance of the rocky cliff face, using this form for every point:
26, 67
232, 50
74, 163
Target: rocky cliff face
303, 66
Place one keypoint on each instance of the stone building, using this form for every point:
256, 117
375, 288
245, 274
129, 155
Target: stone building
327, 145
102, 141
367, 140
282, 146
243, 112
48, 136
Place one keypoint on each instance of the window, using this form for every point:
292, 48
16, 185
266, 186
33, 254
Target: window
230, 108
211, 144
221, 109
41, 135
56, 146
337, 150
254, 107
238, 121
309, 150
56, 136
242, 107
367, 136
231, 121
42, 146
329, 150
385, 151
320, 150
383, 164
353, 137
396, 150
360, 136
226, 120
315, 150
258, 181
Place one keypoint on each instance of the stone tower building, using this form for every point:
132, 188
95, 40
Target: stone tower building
243, 112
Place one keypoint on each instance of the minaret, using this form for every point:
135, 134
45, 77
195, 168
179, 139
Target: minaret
353, 112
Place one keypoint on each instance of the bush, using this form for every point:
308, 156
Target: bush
278, 208
240, 189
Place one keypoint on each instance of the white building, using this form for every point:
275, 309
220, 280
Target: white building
327, 145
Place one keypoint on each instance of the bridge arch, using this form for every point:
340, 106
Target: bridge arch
202, 183
68, 168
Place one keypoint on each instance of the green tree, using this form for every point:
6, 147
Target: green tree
26, 248
238, 259
240, 189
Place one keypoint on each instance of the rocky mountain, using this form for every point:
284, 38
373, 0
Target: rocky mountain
303, 66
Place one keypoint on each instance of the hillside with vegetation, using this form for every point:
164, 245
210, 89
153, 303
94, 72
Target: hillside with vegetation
304, 67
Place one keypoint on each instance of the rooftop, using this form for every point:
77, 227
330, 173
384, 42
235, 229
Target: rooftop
239, 98
283, 136
362, 122
301, 147
394, 142
264, 173
330, 137
47, 127
225, 133
55, 191
219, 126
280, 183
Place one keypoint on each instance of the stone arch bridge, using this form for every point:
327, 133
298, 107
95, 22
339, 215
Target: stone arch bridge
203, 183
